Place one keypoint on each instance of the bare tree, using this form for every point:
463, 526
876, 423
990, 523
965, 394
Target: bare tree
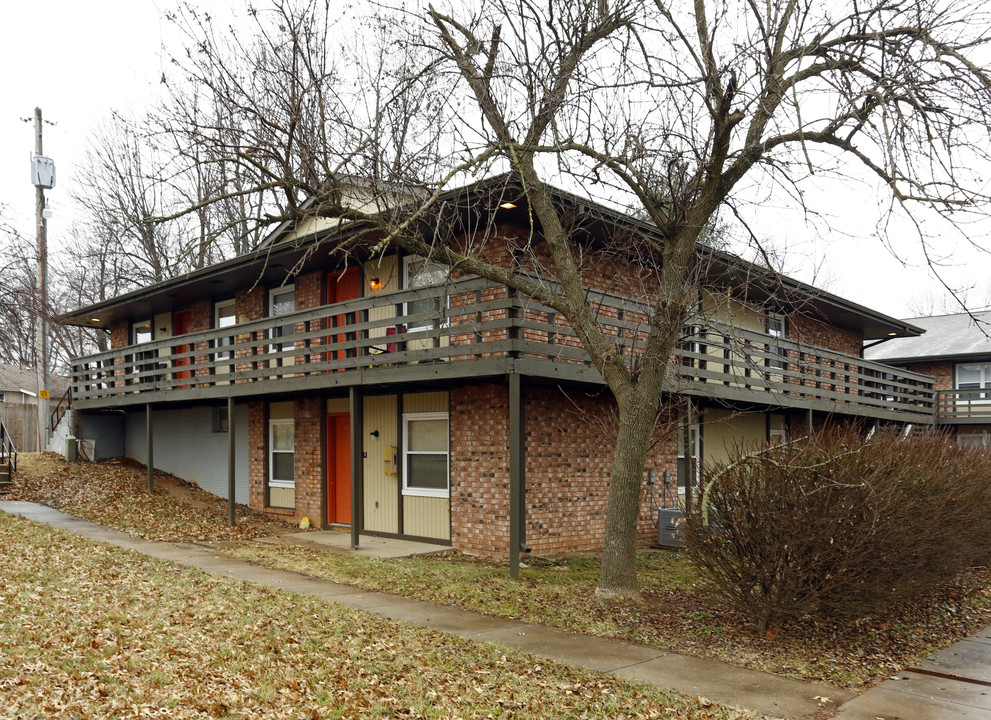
677, 109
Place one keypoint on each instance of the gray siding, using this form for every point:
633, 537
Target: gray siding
105, 430
187, 447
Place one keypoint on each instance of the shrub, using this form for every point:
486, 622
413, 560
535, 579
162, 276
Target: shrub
838, 526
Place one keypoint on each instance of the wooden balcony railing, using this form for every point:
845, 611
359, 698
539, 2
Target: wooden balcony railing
964, 406
470, 328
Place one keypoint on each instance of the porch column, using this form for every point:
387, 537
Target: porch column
231, 505
356, 409
151, 454
517, 471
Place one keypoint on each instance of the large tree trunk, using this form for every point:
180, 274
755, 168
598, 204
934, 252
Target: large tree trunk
638, 410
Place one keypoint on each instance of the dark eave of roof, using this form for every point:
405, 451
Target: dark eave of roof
475, 206
267, 267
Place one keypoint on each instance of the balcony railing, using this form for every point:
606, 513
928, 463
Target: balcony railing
964, 406
471, 328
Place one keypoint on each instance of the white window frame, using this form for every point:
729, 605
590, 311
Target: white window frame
223, 341
272, 482
983, 441
286, 344
134, 331
425, 492
983, 384
781, 361
408, 260
695, 433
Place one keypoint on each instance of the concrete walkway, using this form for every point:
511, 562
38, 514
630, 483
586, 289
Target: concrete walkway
953, 684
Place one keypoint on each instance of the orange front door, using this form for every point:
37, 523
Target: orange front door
339, 468
341, 288
182, 321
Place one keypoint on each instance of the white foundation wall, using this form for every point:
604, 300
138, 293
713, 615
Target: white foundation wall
186, 446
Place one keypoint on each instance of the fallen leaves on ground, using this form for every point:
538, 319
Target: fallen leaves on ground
115, 493
90, 630
677, 614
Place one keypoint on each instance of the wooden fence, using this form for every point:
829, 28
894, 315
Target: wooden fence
21, 421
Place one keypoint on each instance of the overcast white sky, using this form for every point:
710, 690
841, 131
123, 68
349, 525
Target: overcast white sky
80, 60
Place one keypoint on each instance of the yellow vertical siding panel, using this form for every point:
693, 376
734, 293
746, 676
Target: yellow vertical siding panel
381, 494
724, 432
338, 405
428, 517
426, 402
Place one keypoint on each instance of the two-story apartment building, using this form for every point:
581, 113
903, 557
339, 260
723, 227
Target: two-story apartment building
387, 395
956, 352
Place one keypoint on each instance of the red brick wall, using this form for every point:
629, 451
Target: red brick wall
479, 423
807, 330
568, 461
308, 430
257, 454
201, 319
943, 372
120, 335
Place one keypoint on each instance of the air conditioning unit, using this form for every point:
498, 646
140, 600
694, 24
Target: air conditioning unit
669, 532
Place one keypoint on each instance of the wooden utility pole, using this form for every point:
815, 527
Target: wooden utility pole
41, 308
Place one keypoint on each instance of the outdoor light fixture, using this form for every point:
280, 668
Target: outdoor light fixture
374, 433
94, 319
375, 284
507, 206
892, 334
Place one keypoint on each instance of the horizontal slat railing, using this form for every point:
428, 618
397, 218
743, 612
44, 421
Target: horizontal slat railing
964, 406
473, 320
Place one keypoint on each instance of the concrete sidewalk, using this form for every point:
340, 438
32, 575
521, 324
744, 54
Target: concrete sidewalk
758, 692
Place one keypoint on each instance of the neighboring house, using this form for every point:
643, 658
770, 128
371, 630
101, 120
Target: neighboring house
956, 351
19, 385
19, 403
387, 395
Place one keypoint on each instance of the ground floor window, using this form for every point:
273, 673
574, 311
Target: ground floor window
977, 441
282, 463
425, 454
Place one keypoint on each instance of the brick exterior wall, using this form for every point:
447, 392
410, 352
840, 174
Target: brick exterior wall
807, 330
309, 413
479, 423
120, 335
943, 372
201, 318
257, 455
568, 461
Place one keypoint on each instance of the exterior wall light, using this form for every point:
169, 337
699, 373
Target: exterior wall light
375, 284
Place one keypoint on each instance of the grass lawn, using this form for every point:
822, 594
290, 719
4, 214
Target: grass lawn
92, 630
678, 613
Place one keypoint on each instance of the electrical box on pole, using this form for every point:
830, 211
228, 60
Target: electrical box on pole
42, 172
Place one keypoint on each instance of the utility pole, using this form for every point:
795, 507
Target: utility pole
42, 177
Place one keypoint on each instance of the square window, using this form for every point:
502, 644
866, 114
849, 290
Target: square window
426, 470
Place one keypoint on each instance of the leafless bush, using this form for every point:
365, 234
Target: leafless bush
837, 526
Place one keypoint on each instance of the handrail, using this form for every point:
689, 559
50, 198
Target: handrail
60, 409
970, 404
8, 453
476, 320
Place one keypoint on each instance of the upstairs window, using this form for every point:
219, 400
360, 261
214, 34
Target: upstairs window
973, 376
282, 301
422, 273
776, 327
223, 316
